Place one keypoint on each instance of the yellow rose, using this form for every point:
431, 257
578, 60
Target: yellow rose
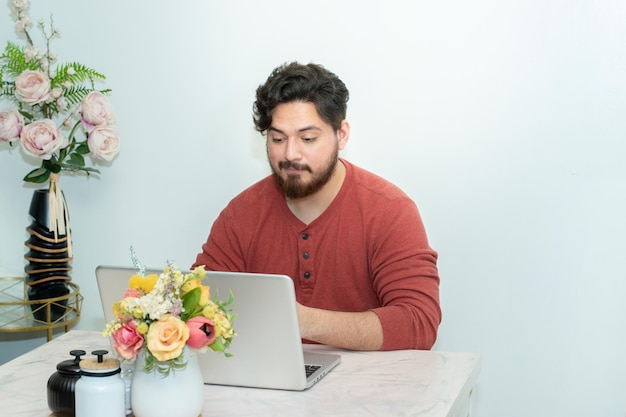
190, 285
205, 295
166, 338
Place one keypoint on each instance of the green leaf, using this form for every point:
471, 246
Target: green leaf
62, 154
88, 170
190, 303
77, 160
218, 345
51, 166
82, 149
37, 175
27, 115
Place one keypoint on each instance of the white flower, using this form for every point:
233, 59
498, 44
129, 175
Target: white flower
153, 305
20, 4
56, 92
62, 104
30, 53
28, 22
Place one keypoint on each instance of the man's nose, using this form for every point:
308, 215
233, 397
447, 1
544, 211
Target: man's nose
292, 150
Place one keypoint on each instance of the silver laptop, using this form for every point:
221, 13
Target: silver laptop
267, 351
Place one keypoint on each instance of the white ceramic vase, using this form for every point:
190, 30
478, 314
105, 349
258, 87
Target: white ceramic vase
178, 394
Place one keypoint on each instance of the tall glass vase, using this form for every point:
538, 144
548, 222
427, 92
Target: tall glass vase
180, 394
49, 251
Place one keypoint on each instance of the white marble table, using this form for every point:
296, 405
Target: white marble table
399, 383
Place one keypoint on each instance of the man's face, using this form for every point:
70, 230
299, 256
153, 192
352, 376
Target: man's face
302, 149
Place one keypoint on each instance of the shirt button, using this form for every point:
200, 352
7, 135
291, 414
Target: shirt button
307, 275
305, 255
305, 236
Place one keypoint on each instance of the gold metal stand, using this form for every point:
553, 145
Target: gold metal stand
16, 311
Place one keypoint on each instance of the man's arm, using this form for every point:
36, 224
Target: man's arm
347, 330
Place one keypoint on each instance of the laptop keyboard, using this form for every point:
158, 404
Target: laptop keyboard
310, 369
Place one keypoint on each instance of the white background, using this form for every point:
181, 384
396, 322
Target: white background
504, 120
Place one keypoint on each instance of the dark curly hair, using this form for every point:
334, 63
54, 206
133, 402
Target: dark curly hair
310, 83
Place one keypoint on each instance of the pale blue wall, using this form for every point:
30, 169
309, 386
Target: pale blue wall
504, 120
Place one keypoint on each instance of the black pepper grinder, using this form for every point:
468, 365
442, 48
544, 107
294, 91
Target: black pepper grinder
61, 385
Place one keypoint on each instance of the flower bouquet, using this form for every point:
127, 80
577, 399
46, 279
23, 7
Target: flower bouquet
52, 104
56, 113
162, 314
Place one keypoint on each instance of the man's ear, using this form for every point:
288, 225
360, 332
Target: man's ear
343, 134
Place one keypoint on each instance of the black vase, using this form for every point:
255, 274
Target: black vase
49, 256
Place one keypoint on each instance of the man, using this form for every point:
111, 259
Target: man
354, 244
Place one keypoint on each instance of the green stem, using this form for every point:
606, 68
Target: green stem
71, 136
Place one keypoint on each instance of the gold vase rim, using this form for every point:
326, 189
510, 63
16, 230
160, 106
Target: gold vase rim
45, 250
45, 238
48, 260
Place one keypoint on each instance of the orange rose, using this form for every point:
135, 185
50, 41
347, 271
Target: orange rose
166, 338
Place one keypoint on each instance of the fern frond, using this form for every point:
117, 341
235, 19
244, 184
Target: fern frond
7, 89
79, 73
14, 62
74, 95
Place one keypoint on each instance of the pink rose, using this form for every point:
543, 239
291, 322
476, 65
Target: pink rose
127, 340
104, 142
32, 87
11, 124
201, 332
42, 138
96, 111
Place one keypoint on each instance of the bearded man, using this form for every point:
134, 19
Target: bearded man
353, 243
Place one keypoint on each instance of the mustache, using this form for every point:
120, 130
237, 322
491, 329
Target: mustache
293, 165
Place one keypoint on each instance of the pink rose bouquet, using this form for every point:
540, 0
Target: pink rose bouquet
161, 314
52, 105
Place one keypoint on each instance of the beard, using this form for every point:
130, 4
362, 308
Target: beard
293, 187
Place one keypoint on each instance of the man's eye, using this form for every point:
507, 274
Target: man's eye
308, 139
277, 140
